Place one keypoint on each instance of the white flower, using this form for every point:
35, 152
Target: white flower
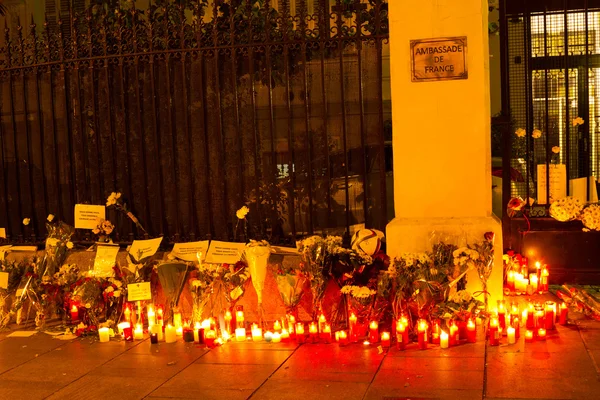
117, 293
590, 217
112, 199
520, 132
536, 134
566, 209
109, 289
52, 242
578, 121
50, 217
242, 212
555, 149
69, 245
26, 221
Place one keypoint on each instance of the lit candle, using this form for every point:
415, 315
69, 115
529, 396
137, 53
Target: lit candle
313, 332
206, 324
198, 333
564, 313
151, 316
337, 336
74, 313
385, 339
225, 337
104, 335
154, 338
541, 333
400, 335
285, 336
422, 334
494, 335
239, 318
188, 335
276, 337
240, 334
268, 337
121, 327
209, 338
435, 333
257, 334
177, 319
471, 331
138, 333
127, 313
501, 315
550, 315
228, 317
453, 339
352, 320
277, 326
510, 332
300, 332
158, 331
528, 336
530, 323
159, 316
518, 282
516, 324
444, 340
343, 338
539, 317
373, 332
327, 333
179, 331
510, 279
533, 281
543, 286
170, 334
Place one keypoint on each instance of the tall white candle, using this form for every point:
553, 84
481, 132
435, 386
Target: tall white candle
444, 340
240, 334
138, 333
511, 335
170, 334
104, 335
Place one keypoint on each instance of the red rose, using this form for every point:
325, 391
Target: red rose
510, 253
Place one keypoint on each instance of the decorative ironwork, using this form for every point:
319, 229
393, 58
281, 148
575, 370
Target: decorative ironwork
193, 108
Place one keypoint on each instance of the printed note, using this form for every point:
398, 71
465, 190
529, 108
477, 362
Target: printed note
139, 291
144, 248
189, 251
224, 252
558, 182
106, 256
86, 215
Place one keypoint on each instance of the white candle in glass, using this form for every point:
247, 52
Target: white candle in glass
170, 334
138, 333
444, 340
104, 335
511, 335
240, 334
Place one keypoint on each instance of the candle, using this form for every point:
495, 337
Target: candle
240, 334
435, 333
151, 316
385, 339
516, 324
539, 317
206, 324
528, 336
352, 320
453, 339
313, 332
401, 335
471, 331
343, 338
198, 333
326, 335
510, 279
422, 334
228, 317
74, 313
373, 332
138, 333
285, 336
177, 319
154, 338
444, 340
501, 314
510, 332
179, 331
257, 333
159, 316
276, 337
541, 334
170, 334
188, 335
103, 333
268, 337
337, 336
128, 334
564, 313
543, 286
122, 326
300, 332
239, 318
518, 282
277, 326
533, 281
158, 331
322, 322
209, 338
494, 335
550, 315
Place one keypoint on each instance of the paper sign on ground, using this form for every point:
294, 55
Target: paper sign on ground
3, 233
24, 248
558, 182
22, 333
86, 215
3, 280
104, 262
578, 188
144, 248
189, 251
224, 252
139, 291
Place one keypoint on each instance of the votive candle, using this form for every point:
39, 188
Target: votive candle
104, 335
300, 332
170, 334
322, 322
528, 336
343, 338
313, 332
352, 320
277, 326
564, 313
453, 340
276, 337
510, 333
257, 334
541, 333
228, 317
400, 336
240, 334
494, 335
74, 313
327, 333
471, 331
138, 333
373, 332
444, 343
385, 339
550, 315
209, 338
422, 334
151, 317
285, 336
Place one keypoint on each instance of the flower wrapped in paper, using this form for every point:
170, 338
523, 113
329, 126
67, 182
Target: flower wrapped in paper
290, 284
57, 246
257, 255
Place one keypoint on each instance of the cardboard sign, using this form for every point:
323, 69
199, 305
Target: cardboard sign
438, 59
224, 252
3, 233
558, 183
86, 215
189, 251
144, 248
3, 280
139, 291
104, 262
578, 188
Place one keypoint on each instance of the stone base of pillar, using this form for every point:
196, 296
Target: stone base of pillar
417, 235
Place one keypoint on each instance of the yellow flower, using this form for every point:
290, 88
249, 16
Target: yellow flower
536, 134
69, 245
26, 221
112, 199
555, 149
242, 212
520, 132
578, 121
50, 217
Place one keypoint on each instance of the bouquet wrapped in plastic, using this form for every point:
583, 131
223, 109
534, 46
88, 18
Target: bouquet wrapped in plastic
290, 284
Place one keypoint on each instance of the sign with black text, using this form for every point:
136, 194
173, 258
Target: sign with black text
139, 291
224, 252
439, 59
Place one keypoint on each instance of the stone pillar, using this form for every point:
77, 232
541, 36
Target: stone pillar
441, 137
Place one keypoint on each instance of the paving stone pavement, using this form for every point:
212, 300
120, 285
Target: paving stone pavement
565, 366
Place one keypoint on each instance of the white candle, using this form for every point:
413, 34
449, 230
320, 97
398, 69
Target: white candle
104, 335
511, 335
122, 326
533, 279
276, 337
240, 334
179, 331
177, 320
257, 334
151, 316
170, 334
444, 340
138, 333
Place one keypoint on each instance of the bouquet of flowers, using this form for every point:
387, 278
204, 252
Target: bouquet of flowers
485, 262
15, 271
115, 199
460, 306
104, 228
566, 209
290, 283
58, 243
590, 217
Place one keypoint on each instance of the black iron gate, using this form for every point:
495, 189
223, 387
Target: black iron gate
192, 109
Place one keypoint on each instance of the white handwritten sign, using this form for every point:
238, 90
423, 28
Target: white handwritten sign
189, 251
139, 291
144, 248
439, 59
104, 262
558, 182
86, 215
224, 252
